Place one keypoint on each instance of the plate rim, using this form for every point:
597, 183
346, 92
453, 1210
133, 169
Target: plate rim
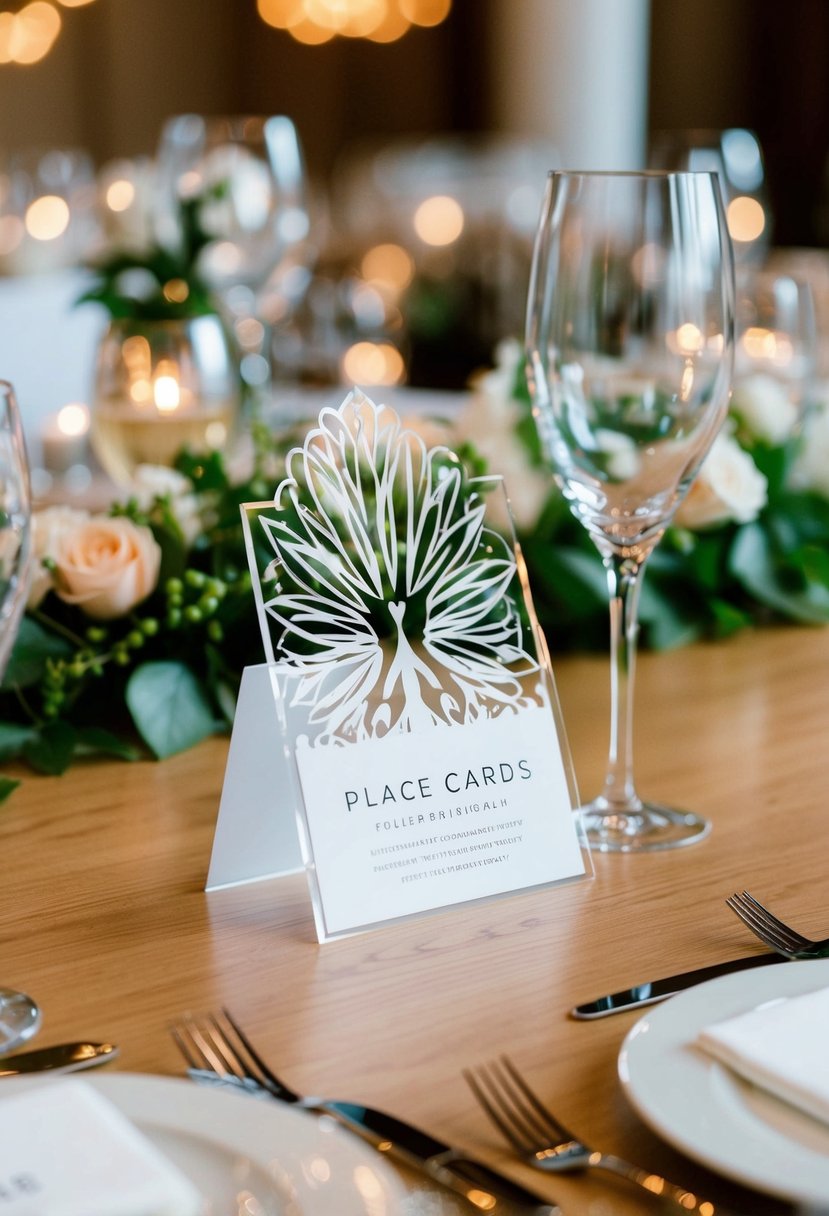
253, 1120
688, 1012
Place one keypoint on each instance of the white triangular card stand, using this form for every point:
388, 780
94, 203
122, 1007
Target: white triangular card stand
256, 830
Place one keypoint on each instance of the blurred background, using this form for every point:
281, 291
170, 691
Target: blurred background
425, 129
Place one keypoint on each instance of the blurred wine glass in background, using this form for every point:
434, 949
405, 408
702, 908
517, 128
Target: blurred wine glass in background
235, 188
776, 351
48, 215
736, 156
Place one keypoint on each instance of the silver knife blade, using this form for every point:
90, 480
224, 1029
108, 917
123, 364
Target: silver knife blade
63, 1057
659, 990
478, 1183
482, 1186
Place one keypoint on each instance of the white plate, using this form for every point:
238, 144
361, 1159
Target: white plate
704, 1109
259, 1157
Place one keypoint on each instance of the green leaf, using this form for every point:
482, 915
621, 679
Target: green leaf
168, 707
754, 564
52, 748
728, 619
94, 739
33, 647
7, 786
13, 738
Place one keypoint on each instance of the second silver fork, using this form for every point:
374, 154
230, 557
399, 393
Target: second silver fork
543, 1142
775, 932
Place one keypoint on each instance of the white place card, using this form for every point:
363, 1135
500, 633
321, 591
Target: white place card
415, 822
412, 747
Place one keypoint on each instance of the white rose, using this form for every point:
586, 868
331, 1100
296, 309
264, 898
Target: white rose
729, 486
106, 566
151, 481
48, 527
764, 405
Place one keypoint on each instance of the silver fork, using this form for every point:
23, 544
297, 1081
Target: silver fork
217, 1050
774, 931
546, 1144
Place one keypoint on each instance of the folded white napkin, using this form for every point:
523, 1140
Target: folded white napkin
780, 1046
67, 1151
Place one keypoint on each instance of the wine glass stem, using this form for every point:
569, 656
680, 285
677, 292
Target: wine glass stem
624, 581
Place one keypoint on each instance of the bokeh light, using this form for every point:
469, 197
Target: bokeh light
746, 218
439, 220
120, 195
47, 217
373, 363
314, 22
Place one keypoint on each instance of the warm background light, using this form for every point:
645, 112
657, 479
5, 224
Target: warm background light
439, 220
746, 218
373, 363
120, 195
47, 217
28, 35
314, 22
389, 267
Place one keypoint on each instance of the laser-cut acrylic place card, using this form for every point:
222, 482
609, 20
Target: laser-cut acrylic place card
414, 727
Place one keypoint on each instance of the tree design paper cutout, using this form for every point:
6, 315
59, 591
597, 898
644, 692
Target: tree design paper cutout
395, 607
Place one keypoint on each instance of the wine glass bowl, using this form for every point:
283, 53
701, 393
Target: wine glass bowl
630, 345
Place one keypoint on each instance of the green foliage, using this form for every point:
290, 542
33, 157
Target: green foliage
166, 674
706, 584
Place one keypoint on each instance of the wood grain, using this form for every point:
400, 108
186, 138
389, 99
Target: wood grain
103, 916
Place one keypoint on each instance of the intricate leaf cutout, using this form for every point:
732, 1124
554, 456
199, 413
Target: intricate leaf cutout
393, 599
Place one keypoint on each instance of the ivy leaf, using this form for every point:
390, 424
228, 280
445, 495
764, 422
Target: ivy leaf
168, 707
33, 647
52, 748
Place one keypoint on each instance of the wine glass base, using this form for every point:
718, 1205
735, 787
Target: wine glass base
644, 827
19, 1019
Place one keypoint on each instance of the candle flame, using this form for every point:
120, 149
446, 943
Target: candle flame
73, 419
166, 394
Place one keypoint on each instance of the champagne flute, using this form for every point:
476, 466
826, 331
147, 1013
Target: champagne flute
19, 1015
630, 337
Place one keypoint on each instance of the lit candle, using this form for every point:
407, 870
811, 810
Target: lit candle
63, 438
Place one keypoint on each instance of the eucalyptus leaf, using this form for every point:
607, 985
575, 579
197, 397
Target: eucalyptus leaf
168, 707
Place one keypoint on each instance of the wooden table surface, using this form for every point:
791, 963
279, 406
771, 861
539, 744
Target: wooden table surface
104, 919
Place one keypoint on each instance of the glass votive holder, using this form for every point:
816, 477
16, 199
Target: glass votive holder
163, 386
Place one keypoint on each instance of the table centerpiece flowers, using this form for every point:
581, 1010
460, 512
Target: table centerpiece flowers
749, 546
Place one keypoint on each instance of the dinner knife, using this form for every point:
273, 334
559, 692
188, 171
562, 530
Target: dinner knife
479, 1184
64, 1057
658, 990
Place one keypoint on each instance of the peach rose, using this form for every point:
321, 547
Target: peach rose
48, 527
106, 566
